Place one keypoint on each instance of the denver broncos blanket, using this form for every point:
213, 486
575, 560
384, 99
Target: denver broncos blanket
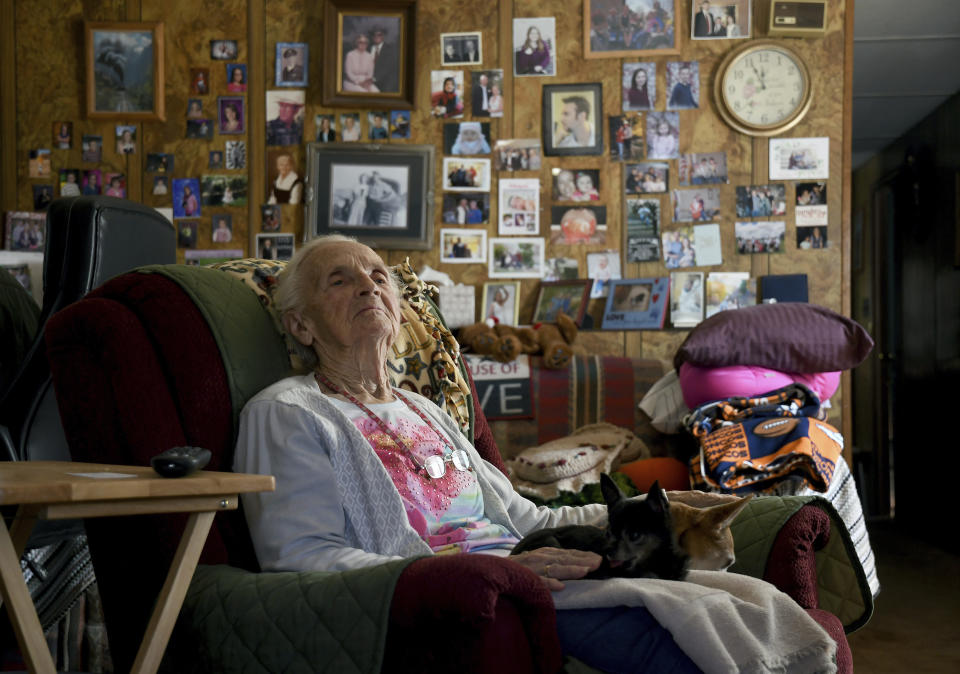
755, 444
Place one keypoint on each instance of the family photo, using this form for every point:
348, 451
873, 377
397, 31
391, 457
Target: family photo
370, 51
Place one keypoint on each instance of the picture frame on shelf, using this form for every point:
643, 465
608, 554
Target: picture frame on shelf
570, 297
501, 301
635, 37
392, 208
573, 121
637, 304
388, 26
124, 70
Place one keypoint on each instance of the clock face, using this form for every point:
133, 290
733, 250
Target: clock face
763, 90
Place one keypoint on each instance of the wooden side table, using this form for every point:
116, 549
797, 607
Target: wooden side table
65, 490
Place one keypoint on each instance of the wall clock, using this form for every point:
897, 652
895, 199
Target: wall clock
762, 88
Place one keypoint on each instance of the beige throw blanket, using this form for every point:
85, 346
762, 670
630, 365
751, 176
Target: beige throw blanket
726, 623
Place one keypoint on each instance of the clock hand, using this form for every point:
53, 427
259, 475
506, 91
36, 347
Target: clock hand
759, 77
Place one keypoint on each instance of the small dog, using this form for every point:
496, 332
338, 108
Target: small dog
638, 541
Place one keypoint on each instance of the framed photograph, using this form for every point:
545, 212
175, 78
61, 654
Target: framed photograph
811, 206
626, 136
461, 48
573, 119
91, 148
639, 82
486, 93
273, 246
446, 93
646, 178
125, 71
701, 205
535, 46
92, 182
637, 304
799, 158
221, 228
472, 208
516, 257
761, 201
642, 233
187, 233
618, 28
291, 62
231, 114
577, 225
237, 78
236, 154
352, 129
63, 135
569, 297
519, 206
458, 246
126, 136
378, 125
186, 197
271, 217
466, 175
702, 168
381, 194
501, 301
399, 124
720, 19
576, 184
517, 154
199, 82
326, 126
223, 50
760, 236
159, 162
372, 44
466, 138
285, 116
683, 85
663, 135
39, 166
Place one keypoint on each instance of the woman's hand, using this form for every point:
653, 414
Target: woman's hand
554, 565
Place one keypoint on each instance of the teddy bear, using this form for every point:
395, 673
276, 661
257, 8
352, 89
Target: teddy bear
505, 342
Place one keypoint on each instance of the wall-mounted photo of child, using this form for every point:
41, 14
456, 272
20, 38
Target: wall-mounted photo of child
200, 81
232, 119
683, 85
126, 139
91, 148
194, 108
639, 82
663, 135
161, 186
466, 138
446, 93
326, 128
702, 205
350, 125
270, 218
69, 182
378, 121
91, 182
42, 196
115, 185
221, 225
186, 197
63, 135
237, 78
216, 159
626, 136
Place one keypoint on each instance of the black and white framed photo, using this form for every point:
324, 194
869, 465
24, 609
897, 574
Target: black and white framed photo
573, 119
516, 257
381, 194
291, 64
461, 48
459, 246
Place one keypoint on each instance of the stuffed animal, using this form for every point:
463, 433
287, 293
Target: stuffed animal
505, 342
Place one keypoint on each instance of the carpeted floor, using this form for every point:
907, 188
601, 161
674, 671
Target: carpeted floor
916, 622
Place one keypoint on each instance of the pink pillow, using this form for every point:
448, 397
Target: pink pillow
701, 385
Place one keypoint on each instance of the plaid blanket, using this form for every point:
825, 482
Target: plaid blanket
755, 444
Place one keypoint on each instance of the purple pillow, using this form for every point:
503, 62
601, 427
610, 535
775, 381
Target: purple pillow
788, 336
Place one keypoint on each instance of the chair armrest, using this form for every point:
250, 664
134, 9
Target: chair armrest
791, 565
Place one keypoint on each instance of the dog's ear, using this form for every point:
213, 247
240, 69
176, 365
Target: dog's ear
611, 492
657, 498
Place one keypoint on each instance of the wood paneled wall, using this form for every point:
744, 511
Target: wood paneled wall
48, 72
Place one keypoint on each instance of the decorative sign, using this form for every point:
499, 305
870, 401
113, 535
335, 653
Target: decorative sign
505, 389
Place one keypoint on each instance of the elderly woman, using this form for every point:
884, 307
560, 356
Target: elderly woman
358, 67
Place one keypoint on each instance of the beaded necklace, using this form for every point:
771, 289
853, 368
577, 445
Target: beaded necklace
434, 466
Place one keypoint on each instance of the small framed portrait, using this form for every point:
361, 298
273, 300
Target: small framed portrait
760, 236
221, 228
370, 47
285, 184
378, 125
399, 124
486, 93
459, 246
461, 48
292, 61
270, 218
285, 117
25, 230
663, 135
42, 196
124, 63
705, 168
700, 205
471, 208
326, 128
115, 185
683, 85
231, 115
573, 119
350, 127
446, 93
274, 246
646, 178
535, 46
381, 194
91, 182
161, 186
186, 197
761, 201
237, 78
126, 136
159, 162
215, 160
501, 302
626, 136
200, 128
224, 190
39, 164
63, 135
187, 233
602, 268
576, 184
223, 50
466, 138
516, 257
466, 174
568, 297
518, 154
799, 158
578, 225
91, 148
639, 82
194, 108
200, 81
720, 19
642, 233
811, 237
70, 182
236, 155
615, 28
637, 304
